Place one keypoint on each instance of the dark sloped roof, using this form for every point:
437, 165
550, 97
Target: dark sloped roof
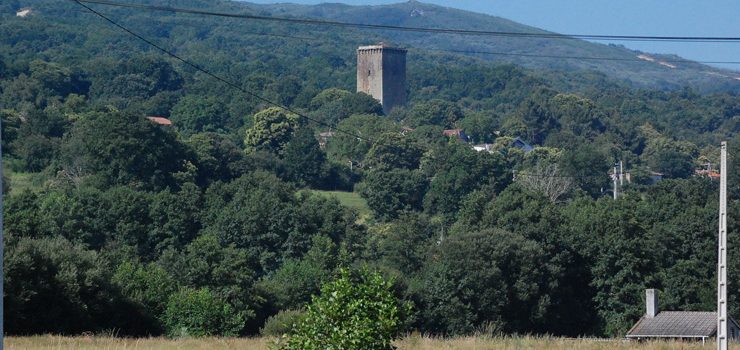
676, 324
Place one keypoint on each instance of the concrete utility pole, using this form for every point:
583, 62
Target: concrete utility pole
722, 263
615, 181
621, 173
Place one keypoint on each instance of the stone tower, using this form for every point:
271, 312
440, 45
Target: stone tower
381, 73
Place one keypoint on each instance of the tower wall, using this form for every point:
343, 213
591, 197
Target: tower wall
370, 72
381, 73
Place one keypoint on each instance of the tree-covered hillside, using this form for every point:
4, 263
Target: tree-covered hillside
224, 222
668, 72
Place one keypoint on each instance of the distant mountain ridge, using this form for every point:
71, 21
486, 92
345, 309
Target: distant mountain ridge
637, 68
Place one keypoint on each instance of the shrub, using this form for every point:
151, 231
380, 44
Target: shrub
352, 312
282, 323
198, 313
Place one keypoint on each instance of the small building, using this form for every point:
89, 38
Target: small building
324, 137
483, 147
160, 120
684, 325
459, 133
707, 173
23, 12
521, 144
655, 177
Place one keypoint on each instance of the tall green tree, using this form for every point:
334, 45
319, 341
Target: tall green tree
496, 277
194, 114
389, 193
118, 148
271, 130
393, 151
434, 112
305, 163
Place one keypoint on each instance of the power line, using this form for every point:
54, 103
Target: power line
714, 39
467, 52
236, 86
279, 35
498, 53
223, 80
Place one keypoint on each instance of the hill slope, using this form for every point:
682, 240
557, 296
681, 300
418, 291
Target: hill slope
646, 71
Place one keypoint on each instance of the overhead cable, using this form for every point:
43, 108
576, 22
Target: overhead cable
263, 99
217, 77
541, 35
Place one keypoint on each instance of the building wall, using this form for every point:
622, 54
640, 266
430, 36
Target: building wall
394, 79
381, 73
370, 72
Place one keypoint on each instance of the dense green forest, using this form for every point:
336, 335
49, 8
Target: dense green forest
224, 222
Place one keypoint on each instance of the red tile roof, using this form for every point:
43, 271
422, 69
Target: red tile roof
160, 120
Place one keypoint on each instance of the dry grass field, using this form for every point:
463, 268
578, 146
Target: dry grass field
408, 343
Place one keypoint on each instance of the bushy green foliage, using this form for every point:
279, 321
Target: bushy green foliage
271, 130
393, 151
54, 286
124, 149
282, 323
228, 274
346, 147
352, 312
490, 276
198, 313
148, 285
305, 163
333, 105
435, 112
389, 193
456, 171
219, 158
194, 114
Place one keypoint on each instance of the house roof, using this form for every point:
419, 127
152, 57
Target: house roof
23, 12
160, 120
709, 173
482, 147
523, 145
676, 324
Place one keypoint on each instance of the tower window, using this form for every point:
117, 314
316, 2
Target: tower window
368, 72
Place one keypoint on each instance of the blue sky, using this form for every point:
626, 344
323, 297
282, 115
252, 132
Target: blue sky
623, 17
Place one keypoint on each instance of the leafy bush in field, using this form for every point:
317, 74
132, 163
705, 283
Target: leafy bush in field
282, 323
55, 286
352, 312
198, 313
148, 286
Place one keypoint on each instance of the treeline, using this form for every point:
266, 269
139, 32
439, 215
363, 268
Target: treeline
216, 226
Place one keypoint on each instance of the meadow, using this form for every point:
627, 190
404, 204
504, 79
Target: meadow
413, 342
349, 199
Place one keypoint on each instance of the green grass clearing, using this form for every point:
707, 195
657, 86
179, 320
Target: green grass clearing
349, 199
23, 181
